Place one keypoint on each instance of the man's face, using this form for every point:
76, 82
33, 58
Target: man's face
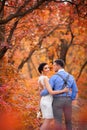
55, 67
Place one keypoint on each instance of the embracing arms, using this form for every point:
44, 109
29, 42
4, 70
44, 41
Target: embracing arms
49, 89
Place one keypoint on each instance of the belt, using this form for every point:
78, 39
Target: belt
62, 97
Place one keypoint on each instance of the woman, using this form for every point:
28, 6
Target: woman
46, 101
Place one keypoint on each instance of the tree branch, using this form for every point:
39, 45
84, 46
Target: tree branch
5, 48
36, 47
12, 31
72, 35
2, 6
19, 12
3, 51
81, 70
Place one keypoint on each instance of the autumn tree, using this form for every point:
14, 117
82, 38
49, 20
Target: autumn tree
32, 31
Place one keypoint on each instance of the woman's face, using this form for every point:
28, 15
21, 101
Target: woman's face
45, 69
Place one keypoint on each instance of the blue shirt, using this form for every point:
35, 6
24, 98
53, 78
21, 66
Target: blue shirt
57, 82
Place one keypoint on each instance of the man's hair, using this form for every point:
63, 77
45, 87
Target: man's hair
60, 62
41, 66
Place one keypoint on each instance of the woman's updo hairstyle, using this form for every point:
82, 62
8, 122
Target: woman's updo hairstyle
41, 66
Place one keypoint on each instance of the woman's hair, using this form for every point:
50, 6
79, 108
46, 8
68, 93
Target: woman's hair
41, 66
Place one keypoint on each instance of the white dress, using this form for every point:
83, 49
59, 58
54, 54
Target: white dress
46, 101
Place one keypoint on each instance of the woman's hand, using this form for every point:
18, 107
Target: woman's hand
66, 89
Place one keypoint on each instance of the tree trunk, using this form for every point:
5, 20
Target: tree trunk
63, 49
2, 36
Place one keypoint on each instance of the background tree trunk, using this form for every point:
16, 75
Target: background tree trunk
3, 49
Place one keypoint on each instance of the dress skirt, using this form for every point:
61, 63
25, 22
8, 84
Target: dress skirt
46, 106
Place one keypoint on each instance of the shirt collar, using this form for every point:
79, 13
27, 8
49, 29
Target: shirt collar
60, 70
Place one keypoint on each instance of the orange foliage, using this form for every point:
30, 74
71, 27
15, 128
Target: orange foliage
19, 97
83, 114
19, 100
82, 84
10, 121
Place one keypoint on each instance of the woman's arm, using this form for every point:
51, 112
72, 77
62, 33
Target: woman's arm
48, 87
40, 87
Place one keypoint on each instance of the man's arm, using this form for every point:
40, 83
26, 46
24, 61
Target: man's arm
74, 90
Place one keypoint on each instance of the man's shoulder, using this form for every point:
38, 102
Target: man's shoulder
53, 76
66, 74
71, 76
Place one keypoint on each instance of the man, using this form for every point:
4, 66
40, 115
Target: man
62, 103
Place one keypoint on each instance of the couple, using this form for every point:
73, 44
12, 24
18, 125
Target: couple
52, 107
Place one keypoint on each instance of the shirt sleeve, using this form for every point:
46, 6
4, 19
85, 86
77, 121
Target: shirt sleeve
51, 81
74, 90
44, 92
